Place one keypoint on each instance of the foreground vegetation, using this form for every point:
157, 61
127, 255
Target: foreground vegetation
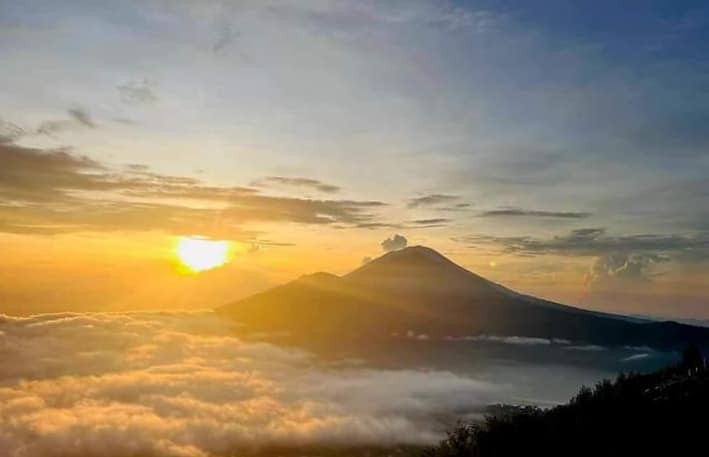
664, 413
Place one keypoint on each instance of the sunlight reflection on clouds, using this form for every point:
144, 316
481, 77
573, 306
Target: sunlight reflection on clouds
181, 384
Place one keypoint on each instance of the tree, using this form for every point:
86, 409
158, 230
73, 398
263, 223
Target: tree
692, 357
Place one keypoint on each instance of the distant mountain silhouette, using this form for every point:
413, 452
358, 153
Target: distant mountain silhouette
419, 291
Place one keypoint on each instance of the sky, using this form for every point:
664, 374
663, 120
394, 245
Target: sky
559, 148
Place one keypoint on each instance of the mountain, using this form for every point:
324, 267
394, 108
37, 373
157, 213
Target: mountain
418, 291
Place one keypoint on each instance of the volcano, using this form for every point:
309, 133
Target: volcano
418, 291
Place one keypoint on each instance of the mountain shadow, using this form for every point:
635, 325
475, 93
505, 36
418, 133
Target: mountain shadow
418, 291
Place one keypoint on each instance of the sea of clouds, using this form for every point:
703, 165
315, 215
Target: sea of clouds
185, 384
182, 384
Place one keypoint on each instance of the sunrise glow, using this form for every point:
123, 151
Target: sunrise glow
201, 254
354, 228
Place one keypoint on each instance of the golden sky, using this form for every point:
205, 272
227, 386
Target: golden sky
307, 136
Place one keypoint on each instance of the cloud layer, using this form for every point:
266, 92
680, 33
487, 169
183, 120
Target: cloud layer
431, 200
517, 212
56, 191
296, 182
180, 384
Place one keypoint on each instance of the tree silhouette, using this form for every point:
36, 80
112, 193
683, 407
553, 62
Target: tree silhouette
691, 357
658, 414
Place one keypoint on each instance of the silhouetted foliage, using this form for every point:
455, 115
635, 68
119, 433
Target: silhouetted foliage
663, 413
692, 357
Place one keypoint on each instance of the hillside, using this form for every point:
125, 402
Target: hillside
421, 291
662, 413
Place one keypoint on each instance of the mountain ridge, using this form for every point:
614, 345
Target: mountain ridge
417, 289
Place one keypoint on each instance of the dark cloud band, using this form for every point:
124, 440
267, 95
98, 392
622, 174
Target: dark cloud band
48, 191
514, 212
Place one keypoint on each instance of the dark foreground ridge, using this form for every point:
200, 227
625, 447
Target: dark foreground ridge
658, 414
421, 291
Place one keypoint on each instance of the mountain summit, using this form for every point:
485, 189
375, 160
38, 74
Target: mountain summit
418, 262
419, 291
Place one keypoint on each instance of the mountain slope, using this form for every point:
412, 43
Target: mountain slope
661, 413
419, 290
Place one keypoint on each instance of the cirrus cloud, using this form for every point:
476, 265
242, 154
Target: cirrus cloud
296, 182
431, 200
517, 212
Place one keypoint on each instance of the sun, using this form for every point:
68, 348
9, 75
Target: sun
198, 253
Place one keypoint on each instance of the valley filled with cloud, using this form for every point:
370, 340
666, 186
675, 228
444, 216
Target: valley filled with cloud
184, 384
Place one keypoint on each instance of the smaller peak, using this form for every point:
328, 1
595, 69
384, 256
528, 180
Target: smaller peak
320, 276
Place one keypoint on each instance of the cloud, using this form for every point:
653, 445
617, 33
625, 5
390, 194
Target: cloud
137, 92
431, 200
36, 175
437, 222
620, 267
171, 384
515, 340
614, 277
626, 273
635, 357
515, 212
379, 225
596, 242
477, 21
394, 243
586, 348
9, 132
55, 191
78, 118
456, 207
124, 121
82, 117
297, 182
